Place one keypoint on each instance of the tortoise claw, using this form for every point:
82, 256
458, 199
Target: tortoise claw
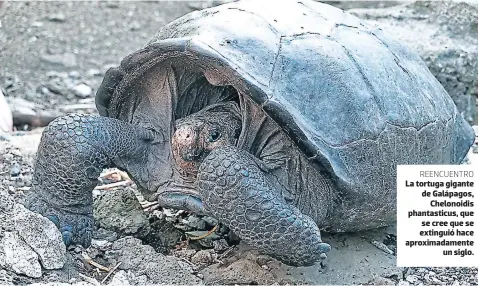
67, 237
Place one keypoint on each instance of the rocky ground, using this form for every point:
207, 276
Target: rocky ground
53, 56
140, 243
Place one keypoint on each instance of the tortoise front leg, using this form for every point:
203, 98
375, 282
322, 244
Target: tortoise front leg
73, 151
237, 192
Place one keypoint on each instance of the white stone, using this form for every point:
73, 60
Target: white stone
82, 90
42, 235
120, 278
16, 255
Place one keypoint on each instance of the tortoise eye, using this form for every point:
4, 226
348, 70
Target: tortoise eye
214, 135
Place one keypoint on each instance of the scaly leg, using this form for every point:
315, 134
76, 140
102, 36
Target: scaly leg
235, 190
73, 151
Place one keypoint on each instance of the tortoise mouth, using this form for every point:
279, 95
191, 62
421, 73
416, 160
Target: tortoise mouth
180, 191
184, 188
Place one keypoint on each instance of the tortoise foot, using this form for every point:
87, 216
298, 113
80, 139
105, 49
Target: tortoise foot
236, 191
76, 228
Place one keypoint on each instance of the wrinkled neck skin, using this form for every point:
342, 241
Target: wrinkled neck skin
197, 135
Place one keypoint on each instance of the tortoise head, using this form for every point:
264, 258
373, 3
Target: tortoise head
200, 133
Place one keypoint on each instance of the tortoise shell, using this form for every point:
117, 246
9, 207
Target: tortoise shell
354, 100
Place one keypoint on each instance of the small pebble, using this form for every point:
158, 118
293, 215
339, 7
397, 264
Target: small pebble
210, 221
112, 5
82, 90
37, 24
412, 279
100, 244
93, 72
403, 283
202, 257
59, 17
220, 245
7, 157
74, 74
135, 26
381, 246
103, 234
15, 169
195, 222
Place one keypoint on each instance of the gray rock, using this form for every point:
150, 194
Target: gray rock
93, 72
41, 235
15, 169
143, 260
17, 256
112, 5
121, 212
134, 26
382, 246
55, 88
5, 278
444, 33
4, 136
210, 220
37, 24
195, 222
6, 205
104, 234
243, 271
185, 253
202, 258
120, 278
100, 244
74, 74
82, 90
220, 245
412, 279
59, 17
163, 235
403, 283
67, 60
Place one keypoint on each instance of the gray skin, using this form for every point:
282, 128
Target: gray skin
259, 209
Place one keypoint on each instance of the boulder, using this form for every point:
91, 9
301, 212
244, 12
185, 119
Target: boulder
121, 212
28, 240
142, 260
41, 235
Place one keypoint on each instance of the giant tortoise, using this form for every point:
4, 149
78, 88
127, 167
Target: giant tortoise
278, 118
